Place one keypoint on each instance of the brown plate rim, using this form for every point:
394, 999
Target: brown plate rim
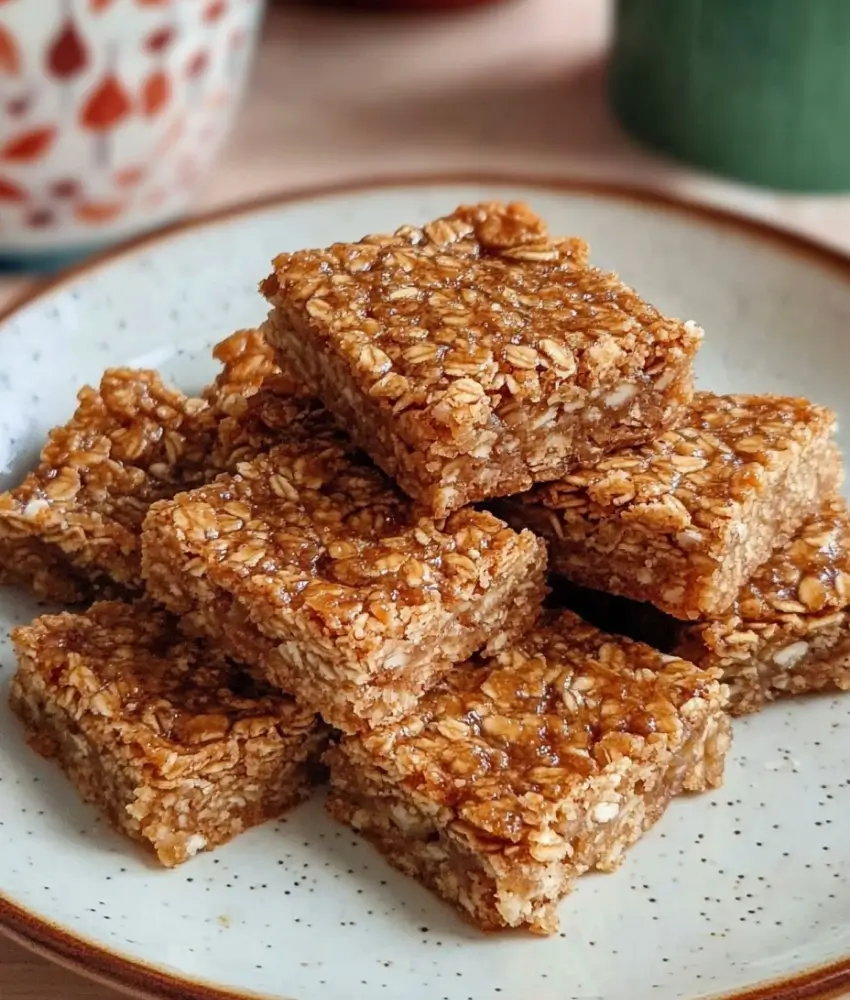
824, 982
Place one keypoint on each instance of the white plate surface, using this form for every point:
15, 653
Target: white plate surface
730, 890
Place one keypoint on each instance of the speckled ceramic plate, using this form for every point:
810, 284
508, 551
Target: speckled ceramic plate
744, 891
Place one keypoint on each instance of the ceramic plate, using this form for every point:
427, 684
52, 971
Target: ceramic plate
740, 890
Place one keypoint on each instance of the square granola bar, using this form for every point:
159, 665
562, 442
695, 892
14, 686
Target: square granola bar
516, 775
478, 355
368, 599
74, 522
684, 521
180, 749
788, 630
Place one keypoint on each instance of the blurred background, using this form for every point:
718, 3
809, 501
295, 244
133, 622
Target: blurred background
121, 115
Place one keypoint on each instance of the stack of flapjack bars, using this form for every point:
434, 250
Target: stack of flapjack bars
361, 552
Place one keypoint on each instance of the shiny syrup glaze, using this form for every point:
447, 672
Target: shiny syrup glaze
147, 674
565, 702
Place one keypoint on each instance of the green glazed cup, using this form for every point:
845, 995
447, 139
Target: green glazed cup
758, 90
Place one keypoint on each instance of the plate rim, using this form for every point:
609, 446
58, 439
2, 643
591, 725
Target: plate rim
151, 982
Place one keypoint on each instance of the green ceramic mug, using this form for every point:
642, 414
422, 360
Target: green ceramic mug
755, 89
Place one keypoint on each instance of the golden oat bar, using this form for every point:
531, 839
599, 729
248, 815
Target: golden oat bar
42, 569
786, 633
177, 746
477, 356
683, 522
74, 523
518, 774
368, 599
788, 630
255, 404
247, 362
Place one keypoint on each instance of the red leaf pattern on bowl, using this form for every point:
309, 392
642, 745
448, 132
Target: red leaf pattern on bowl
67, 56
27, 146
10, 191
156, 92
10, 53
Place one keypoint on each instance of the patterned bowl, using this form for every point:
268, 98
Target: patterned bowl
111, 112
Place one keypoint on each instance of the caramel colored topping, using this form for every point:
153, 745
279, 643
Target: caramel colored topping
504, 742
315, 524
129, 663
802, 591
810, 575
471, 313
130, 443
687, 478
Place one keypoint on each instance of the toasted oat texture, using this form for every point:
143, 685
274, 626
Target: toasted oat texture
763, 653
788, 630
368, 599
683, 522
255, 404
42, 569
514, 776
78, 516
477, 355
247, 361
177, 747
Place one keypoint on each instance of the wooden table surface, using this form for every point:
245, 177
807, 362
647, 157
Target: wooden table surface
518, 87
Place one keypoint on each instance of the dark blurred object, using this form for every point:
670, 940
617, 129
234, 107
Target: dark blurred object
611, 613
756, 89
415, 6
